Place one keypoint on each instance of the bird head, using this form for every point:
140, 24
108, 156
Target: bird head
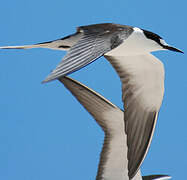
160, 41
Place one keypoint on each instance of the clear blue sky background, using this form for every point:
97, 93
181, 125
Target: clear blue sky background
45, 134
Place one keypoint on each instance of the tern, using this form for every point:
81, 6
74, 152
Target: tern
113, 163
128, 49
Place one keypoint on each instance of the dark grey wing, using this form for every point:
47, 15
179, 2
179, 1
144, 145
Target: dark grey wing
142, 78
95, 42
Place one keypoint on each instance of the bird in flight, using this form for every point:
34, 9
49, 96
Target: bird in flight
93, 41
128, 49
113, 159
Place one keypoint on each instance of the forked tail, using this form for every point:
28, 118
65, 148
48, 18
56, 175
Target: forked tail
21, 47
64, 43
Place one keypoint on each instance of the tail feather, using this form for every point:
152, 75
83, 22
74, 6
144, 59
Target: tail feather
59, 44
21, 47
56, 44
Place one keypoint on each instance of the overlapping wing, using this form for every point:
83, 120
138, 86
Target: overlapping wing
142, 78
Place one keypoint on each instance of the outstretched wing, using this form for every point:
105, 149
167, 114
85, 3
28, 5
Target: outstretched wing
95, 42
95, 104
142, 78
113, 159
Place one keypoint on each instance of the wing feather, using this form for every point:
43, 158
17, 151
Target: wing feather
142, 78
95, 42
80, 55
113, 159
93, 102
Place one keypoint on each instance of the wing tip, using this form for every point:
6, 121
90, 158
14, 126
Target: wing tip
157, 177
134, 168
50, 78
44, 81
47, 80
166, 177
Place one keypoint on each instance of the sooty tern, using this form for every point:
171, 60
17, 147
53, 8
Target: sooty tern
128, 49
113, 159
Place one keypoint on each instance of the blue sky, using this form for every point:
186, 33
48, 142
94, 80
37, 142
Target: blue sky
44, 132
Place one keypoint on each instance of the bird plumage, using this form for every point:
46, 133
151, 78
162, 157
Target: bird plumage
142, 80
128, 49
113, 159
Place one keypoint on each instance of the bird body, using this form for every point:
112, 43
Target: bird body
92, 41
128, 50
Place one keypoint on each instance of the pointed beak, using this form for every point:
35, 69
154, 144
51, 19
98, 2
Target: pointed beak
173, 49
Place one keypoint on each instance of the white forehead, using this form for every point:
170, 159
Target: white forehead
137, 29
